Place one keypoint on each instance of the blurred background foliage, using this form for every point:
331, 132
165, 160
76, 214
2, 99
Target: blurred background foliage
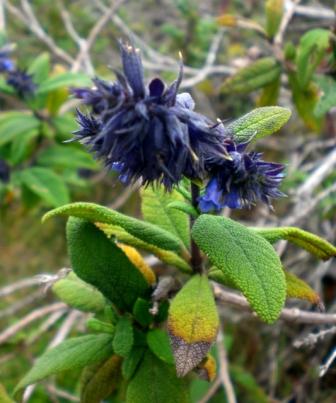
238, 55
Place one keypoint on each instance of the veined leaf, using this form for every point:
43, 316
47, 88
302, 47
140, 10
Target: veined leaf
159, 381
101, 380
100, 262
145, 231
46, 185
312, 243
192, 323
256, 75
78, 294
259, 123
15, 124
71, 354
22, 146
247, 259
63, 80
155, 209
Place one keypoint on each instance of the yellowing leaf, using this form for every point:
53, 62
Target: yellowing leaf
207, 368
297, 288
312, 243
192, 323
101, 380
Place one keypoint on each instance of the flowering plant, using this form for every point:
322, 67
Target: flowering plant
149, 333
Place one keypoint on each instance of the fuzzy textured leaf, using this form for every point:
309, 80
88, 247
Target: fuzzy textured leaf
100, 381
145, 231
100, 262
124, 237
252, 77
71, 354
312, 243
159, 382
78, 294
123, 338
297, 288
192, 323
259, 123
155, 210
247, 259
132, 361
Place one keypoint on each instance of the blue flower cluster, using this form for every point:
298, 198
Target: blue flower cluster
18, 79
152, 134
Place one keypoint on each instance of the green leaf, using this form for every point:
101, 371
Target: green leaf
312, 243
159, 382
165, 256
45, 184
78, 294
145, 231
99, 326
158, 342
100, 262
259, 123
100, 381
246, 382
256, 75
71, 354
132, 361
123, 338
66, 156
270, 93
63, 80
40, 68
184, 207
311, 50
274, 11
155, 201
305, 101
247, 259
297, 288
15, 124
328, 97
192, 323
141, 312
22, 146
4, 397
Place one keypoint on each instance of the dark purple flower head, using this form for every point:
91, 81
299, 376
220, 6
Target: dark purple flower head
22, 82
149, 132
239, 179
6, 64
4, 171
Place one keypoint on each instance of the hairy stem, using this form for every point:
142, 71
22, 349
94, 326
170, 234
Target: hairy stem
196, 257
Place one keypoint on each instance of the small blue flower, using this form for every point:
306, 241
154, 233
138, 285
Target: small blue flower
6, 64
239, 179
149, 132
22, 82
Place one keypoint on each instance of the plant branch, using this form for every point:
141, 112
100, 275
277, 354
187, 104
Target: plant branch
293, 315
196, 257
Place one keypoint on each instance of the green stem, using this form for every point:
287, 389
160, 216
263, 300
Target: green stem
196, 257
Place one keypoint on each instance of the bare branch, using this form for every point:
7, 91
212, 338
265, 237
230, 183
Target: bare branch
291, 6
27, 320
293, 315
224, 369
95, 31
27, 282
